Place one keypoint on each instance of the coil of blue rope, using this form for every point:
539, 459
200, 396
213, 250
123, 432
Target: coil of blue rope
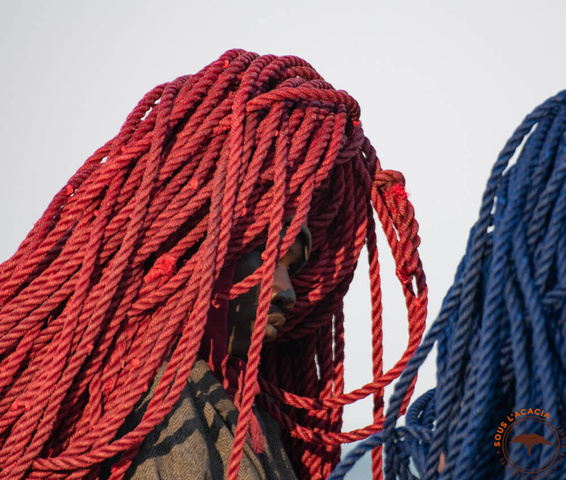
501, 331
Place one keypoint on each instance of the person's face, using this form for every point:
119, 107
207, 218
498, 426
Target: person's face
242, 309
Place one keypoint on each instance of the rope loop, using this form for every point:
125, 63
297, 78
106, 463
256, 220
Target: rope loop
130, 269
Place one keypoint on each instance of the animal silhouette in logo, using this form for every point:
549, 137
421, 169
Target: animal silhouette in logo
529, 440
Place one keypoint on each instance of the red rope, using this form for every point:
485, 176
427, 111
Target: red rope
118, 274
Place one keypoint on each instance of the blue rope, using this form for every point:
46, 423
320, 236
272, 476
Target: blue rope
501, 331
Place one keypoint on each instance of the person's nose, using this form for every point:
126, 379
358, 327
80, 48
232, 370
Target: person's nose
282, 291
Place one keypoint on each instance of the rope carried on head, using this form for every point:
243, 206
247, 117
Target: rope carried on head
118, 275
501, 332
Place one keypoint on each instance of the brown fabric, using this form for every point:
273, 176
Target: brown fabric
195, 439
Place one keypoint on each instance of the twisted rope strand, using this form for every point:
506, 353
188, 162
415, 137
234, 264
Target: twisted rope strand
118, 276
500, 331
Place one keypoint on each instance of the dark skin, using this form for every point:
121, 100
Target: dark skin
242, 309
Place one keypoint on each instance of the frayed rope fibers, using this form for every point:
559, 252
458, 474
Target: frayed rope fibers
501, 331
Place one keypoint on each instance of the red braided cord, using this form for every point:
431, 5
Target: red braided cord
269, 257
118, 273
417, 313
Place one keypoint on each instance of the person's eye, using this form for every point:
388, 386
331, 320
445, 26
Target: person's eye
292, 271
295, 267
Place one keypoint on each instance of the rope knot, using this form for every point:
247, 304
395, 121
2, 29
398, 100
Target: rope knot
390, 182
163, 269
403, 275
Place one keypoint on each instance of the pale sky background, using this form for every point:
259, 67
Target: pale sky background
442, 85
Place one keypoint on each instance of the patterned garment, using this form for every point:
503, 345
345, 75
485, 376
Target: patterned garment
194, 441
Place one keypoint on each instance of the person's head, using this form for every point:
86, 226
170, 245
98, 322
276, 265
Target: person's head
242, 309
132, 265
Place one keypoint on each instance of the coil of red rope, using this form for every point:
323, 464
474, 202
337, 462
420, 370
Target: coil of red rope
118, 276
